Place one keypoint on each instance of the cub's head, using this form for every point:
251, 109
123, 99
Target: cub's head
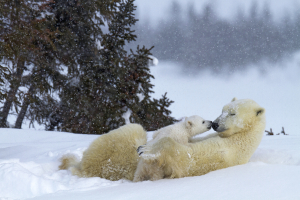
197, 125
238, 116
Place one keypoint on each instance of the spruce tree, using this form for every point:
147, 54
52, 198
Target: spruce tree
48, 46
27, 44
102, 82
15, 37
3, 78
112, 83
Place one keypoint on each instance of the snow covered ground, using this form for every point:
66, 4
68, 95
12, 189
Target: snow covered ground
29, 169
29, 158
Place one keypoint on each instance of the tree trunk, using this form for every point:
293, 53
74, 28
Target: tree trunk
24, 108
14, 86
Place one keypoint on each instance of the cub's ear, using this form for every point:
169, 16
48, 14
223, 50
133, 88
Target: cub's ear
234, 99
188, 123
260, 111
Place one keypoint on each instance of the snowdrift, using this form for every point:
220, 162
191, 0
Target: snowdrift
29, 169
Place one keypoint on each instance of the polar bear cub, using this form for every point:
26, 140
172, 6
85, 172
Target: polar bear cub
181, 132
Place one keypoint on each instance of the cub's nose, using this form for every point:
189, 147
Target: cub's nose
215, 126
209, 125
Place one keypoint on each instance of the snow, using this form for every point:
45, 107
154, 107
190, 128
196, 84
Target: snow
140, 95
98, 44
127, 115
29, 158
154, 61
74, 81
29, 169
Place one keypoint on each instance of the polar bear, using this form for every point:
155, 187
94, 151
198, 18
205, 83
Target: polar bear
239, 128
181, 132
112, 156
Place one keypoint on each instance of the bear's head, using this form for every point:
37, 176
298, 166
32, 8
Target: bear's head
196, 125
238, 116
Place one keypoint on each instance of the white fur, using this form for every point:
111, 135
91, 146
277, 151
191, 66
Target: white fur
239, 132
181, 132
112, 156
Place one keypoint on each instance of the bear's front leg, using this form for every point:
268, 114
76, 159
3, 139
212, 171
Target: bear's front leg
156, 172
168, 158
148, 170
141, 171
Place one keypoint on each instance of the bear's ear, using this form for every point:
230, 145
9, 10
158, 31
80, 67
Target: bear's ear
188, 123
260, 111
234, 99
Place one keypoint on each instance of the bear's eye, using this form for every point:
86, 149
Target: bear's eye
203, 122
232, 114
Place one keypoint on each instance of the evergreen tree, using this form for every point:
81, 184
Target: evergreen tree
29, 43
110, 84
297, 30
192, 41
40, 37
208, 41
3, 78
47, 47
4, 73
41, 109
15, 36
155, 114
39, 83
170, 40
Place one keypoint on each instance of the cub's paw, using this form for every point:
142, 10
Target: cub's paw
140, 150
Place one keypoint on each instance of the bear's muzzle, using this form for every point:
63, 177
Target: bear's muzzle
215, 126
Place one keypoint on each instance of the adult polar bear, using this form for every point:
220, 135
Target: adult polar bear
239, 128
239, 131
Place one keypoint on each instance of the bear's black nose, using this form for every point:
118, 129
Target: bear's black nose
215, 126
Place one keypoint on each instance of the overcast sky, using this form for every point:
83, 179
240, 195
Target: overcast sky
157, 9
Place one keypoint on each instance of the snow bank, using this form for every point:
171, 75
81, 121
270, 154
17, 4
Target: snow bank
20, 180
29, 162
